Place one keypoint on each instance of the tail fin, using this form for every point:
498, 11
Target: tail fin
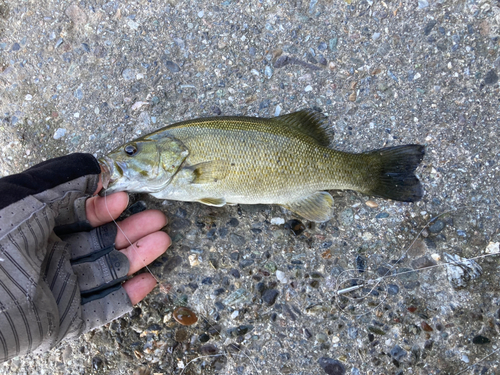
394, 178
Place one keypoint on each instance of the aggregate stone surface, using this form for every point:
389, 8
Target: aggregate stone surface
87, 76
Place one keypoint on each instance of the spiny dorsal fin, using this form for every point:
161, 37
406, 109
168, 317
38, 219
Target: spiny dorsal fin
309, 122
209, 172
316, 207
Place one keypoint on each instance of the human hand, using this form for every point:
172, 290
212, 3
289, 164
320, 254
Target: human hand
142, 229
62, 262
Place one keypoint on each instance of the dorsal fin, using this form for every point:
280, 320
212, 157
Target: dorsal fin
309, 122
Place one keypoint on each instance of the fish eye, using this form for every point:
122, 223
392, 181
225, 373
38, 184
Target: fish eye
130, 150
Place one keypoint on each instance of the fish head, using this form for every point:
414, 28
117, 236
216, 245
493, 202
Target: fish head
146, 165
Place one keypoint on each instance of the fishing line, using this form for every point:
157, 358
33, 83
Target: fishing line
130, 242
374, 283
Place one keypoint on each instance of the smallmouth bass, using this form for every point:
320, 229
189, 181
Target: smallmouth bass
284, 160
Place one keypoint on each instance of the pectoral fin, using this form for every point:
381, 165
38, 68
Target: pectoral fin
315, 207
216, 202
209, 172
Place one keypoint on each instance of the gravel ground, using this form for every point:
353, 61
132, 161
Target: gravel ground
90, 75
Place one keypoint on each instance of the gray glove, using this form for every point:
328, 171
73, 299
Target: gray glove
59, 277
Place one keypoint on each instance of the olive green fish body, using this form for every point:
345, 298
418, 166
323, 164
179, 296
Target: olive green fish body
285, 161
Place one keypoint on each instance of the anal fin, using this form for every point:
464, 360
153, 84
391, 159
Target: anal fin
216, 202
315, 207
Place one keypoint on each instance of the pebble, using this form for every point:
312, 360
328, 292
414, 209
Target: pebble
208, 349
277, 111
491, 77
172, 67
480, 340
423, 4
268, 71
237, 239
28, 97
281, 276
331, 366
398, 353
277, 221
181, 335
376, 330
367, 236
392, 289
332, 44
382, 215
437, 226
269, 296
59, 133
184, 316
132, 24
426, 327
371, 204
233, 222
422, 262
375, 36
97, 363
238, 296
436, 257
308, 88
203, 338
78, 93
492, 248
194, 260
128, 74
429, 26
361, 263
296, 226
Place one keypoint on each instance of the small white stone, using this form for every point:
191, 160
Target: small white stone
132, 24
194, 260
235, 314
76, 114
335, 339
201, 14
416, 76
436, 257
59, 133
255, 72
308, 88
96, 110
280, 275
367, 236
28, 97
465, 358
277, 111
492, 248
277, 221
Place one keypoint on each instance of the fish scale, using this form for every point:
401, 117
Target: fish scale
243, 160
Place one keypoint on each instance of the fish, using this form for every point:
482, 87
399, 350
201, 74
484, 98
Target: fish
286, 160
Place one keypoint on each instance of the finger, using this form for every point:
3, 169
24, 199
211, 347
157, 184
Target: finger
99, 184
145, 250
138, 226
101, 210
139, 286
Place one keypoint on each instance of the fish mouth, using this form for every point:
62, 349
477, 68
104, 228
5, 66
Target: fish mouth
111, 172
